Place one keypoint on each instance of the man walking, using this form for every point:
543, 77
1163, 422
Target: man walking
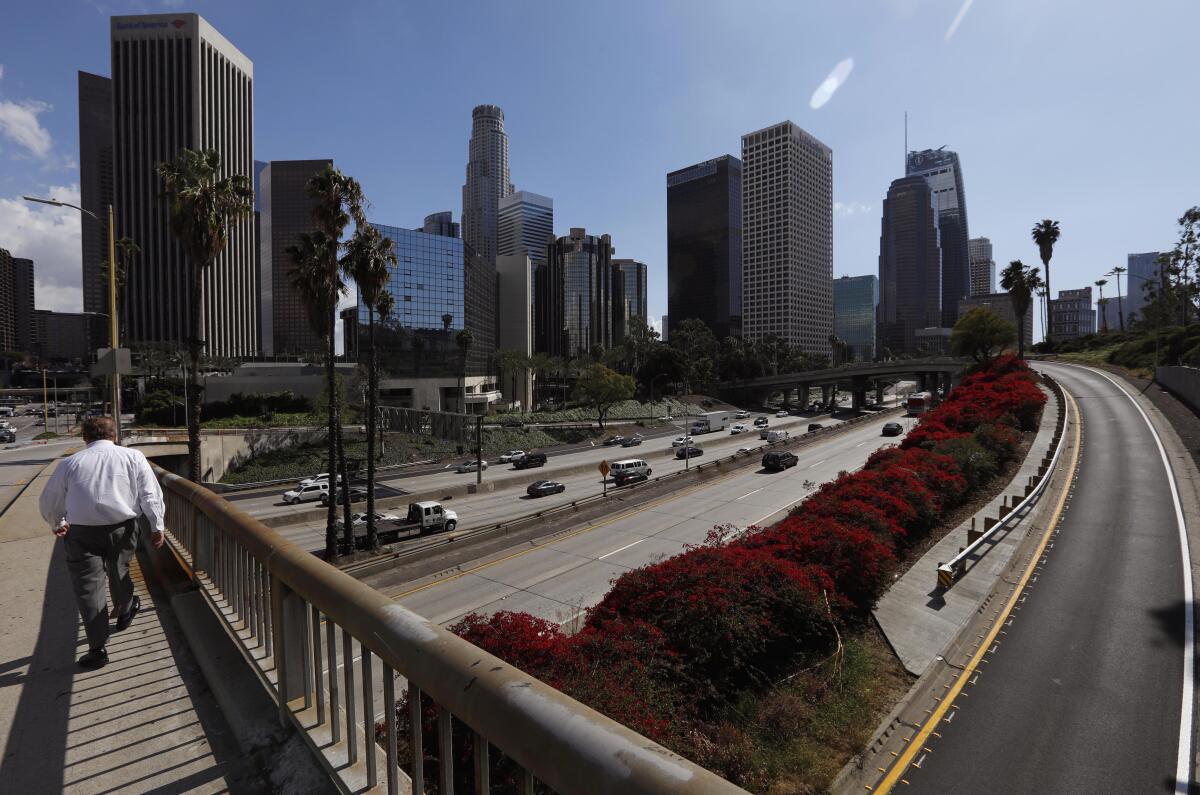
92, 502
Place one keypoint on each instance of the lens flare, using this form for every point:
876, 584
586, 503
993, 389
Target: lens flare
831, 84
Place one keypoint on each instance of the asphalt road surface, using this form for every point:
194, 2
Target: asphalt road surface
1083, 694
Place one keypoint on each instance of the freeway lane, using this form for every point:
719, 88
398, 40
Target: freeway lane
560, 579
1084, 691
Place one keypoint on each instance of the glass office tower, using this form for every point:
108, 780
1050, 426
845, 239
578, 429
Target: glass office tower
910, 267
629, 296
854, 302
943, 171
526, 225
574, 295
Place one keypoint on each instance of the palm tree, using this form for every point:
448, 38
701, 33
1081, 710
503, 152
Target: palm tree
1045, 234
1103, 306
463, 339
513, 363
201, 205
1020, 283
368, 255
311, 280
1117, 271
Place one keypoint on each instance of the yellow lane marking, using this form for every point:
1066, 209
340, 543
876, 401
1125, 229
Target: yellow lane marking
893, 776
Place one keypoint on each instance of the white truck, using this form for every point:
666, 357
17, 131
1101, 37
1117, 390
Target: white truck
711, 421
428, 516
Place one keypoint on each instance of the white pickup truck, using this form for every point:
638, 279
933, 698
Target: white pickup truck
427, 516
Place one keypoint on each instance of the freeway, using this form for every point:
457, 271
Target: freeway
560, 579
1090, 688
21, 463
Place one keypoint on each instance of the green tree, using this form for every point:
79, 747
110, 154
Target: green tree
125, 250
367, 257
600, 387
1020, 282
1045, 234
696, 341
202, 204
981, 334
514, 364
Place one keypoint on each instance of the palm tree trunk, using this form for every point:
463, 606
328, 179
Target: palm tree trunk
193, 386
336, 400
372, 399
331, 463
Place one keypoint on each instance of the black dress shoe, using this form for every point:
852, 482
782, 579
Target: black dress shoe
96, 658
134, 606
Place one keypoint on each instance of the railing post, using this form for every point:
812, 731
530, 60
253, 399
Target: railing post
289, 627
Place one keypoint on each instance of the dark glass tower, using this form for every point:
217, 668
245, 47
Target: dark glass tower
943, 171
704, 245
629, 296
95, 185
910, 267
574, 295
854, 302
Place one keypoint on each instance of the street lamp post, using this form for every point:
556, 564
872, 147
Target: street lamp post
114, 338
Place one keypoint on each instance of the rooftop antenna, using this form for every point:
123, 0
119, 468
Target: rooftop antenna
906, 141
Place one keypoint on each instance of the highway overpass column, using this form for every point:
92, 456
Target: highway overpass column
802, 393
879, 392
921, 386
858, 393
826, 394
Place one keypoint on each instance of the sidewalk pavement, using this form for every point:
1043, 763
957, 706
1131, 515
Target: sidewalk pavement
146, 722
918, 620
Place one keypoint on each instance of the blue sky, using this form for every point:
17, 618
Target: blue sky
1079, 111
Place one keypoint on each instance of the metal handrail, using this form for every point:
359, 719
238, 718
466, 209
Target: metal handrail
276, 597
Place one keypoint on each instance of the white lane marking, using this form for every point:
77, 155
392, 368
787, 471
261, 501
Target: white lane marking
860, 444
572, 618
1183, 757
622, 549
822, 461
747, 494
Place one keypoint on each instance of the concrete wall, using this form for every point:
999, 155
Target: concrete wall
221, 451
1182, 382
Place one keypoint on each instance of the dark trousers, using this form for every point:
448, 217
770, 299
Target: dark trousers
96, 553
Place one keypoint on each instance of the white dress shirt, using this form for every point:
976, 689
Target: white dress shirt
100, 485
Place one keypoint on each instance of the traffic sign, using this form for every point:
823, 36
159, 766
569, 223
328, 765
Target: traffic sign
604, 469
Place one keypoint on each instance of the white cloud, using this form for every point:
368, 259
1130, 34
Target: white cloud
50, 237
831, 84
19, 124
846, 209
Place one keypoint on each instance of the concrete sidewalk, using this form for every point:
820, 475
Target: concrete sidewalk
918, 619
146, 722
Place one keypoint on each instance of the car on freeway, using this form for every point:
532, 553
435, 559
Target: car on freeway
7, 436
742, 415
761, 422
467, 466
313, 491
39, 423
892, 429
689, 452
666, 418
357, 494
814, 426
512, 423
540, 488
530, 460
737, 428
632, 441
613, 440
510, 456
779, 460
745, 450
315, 479
680, 441
630, 470
359, 519
781, 413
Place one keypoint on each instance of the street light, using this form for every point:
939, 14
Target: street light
112, 299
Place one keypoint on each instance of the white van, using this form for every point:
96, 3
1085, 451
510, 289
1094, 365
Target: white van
776, 436
7, 411
631, 470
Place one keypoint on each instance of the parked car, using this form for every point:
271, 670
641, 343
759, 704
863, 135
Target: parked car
358, 519
313, 491
761, 422
613, 440
737, 428
512, 423
632, 441
689, 452
357, 494
892, 429
540, 488
779, 460
629, 470
814, 426
781, 413
468, 466
530, 460
741, 415
510, 456
680, 441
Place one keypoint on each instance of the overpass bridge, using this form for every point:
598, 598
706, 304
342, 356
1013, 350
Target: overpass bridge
936, 374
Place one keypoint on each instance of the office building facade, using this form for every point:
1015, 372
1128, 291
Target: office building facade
854, 301
487, 180
1072, 315
8, 310
574, 295
665, 329
942, 169
787, 238
62, 337
983, 267
525, 225
24, 302
629, 296
440, 224
178, 83
1140, 270
95, 186
285, 213
910, 268
514, 324
439, 287
704, 245
1001, 304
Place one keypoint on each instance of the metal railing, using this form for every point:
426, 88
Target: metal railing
314, 635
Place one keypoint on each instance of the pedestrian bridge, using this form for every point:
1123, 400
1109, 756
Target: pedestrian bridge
256, 666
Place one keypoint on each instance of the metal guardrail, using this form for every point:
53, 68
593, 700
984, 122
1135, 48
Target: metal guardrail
948, 573
293, 613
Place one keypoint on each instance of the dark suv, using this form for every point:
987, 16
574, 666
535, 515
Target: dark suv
779, 460
530, 460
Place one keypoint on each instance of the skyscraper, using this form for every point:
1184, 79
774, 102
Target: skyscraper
487, 180
525, 223
1141, 269
441, 223
983, 267
854, 302
1001, 305
1072, 314
178, 83
285, 213
8, 313
629, 296
25, 336
787, 238
943, 171
95, 186
704, 245
514, 322
910, 267
574, 295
